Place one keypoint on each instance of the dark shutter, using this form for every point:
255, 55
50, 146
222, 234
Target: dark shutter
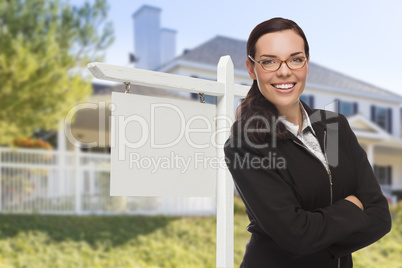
389, 174
389, 119
355, 108
311, 101
372, 113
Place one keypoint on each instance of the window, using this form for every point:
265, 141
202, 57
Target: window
382, 116
308, 99
383, 174
346, 107
87, 186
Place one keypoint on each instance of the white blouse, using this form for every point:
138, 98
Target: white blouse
307, 135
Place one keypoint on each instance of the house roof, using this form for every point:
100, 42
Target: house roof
211, 51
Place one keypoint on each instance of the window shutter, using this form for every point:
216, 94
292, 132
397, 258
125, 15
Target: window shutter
372, 113
389, 174
389, 118
311, 101
355, 108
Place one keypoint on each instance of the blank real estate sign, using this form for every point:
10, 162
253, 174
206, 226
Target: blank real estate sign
162, 147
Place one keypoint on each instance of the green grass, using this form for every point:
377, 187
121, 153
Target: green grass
143, 241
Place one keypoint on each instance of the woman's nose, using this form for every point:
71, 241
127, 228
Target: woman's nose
284, 70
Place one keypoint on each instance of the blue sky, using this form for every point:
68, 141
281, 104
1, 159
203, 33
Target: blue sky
361, 38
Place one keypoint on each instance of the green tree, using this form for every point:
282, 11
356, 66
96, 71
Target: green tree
44, 45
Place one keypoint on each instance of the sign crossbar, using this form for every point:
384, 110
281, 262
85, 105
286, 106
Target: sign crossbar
154, 79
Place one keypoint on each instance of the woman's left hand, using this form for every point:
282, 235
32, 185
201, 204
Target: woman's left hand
355, 201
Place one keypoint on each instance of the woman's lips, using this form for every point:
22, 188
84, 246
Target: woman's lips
284, 88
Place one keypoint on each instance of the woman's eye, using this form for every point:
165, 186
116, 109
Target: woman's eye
268, 62
298, 59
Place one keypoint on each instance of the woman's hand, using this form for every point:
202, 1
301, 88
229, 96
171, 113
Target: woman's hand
355, 201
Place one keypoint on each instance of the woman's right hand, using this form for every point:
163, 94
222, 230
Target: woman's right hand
355, 201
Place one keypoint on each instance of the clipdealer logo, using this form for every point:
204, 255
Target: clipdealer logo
148, 133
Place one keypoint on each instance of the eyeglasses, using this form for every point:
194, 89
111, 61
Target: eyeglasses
272, 64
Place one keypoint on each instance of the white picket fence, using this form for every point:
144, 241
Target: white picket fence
52, 182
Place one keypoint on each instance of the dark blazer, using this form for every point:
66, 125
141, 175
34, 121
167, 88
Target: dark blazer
297, 211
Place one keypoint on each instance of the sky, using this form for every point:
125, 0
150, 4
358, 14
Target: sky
360, 38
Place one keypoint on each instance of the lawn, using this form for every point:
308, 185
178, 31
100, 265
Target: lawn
144, 241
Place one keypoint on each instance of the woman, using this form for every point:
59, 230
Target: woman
309, 190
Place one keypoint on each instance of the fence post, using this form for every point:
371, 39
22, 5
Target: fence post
61, 154
77, 179
224, 199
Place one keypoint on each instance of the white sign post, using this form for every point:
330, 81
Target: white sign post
225, 90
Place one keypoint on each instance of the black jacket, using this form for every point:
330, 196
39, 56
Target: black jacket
287, 192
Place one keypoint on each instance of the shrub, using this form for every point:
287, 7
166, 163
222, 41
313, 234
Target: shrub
31, 143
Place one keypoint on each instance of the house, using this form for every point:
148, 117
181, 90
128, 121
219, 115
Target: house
374, 113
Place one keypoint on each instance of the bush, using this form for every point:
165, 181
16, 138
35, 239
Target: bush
32, 143
238, 206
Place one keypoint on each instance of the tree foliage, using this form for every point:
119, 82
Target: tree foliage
43, 46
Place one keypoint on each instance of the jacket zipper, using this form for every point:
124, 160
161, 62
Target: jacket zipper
330, 177
326, 159
328, 170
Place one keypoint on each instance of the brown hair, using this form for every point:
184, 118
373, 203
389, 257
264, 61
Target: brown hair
256, 111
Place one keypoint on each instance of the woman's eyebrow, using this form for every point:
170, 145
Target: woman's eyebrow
273, 56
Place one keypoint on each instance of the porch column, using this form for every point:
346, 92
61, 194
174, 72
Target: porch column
370, 153
61, 138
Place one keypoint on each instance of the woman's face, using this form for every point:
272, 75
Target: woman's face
284, 86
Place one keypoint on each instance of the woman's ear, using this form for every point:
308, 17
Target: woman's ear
250, 69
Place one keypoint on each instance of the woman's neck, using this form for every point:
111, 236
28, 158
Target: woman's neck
293, 114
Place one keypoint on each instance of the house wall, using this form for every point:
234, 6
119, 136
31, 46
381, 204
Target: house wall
240, 78
326, 100
207, 73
